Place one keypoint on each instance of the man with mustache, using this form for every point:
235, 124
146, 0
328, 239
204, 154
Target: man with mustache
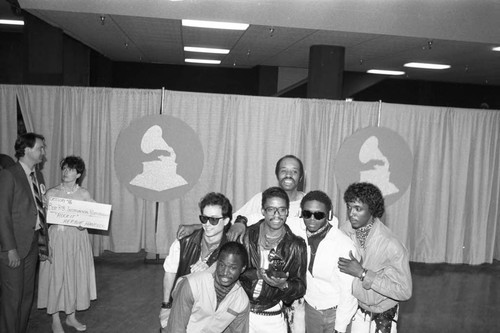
276, 267
289, 172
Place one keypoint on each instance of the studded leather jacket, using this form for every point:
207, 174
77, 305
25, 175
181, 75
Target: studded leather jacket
190, 250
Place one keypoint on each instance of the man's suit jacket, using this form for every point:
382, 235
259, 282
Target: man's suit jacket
18, 211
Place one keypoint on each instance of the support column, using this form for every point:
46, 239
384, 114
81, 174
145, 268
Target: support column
326, 71
268, 80
43, 60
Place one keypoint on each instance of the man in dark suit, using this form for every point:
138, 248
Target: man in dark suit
21, 225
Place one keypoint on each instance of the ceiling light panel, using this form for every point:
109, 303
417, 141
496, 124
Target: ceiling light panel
215, 25
423, 65
12, 22
385, 72
202, 61
205, 50
496, 48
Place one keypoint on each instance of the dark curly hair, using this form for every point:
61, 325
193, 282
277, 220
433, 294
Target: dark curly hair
368, 194
319, 196
217, 199
24, 141
74, 162
236, 249
275, 192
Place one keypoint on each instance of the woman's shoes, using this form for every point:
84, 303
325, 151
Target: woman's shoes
76, 324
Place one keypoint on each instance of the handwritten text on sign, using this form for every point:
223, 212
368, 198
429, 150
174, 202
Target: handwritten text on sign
78, 213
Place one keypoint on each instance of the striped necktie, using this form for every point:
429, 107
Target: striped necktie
43, 235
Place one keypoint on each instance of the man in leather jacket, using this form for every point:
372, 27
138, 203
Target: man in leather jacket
198, 251
276, 271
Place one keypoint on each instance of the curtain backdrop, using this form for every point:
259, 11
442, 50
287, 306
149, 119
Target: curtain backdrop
8, 119
450, 212
86, 122
452, 208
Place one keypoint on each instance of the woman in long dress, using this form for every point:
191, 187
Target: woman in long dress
67, 281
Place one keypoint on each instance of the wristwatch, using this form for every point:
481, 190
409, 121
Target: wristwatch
362, 276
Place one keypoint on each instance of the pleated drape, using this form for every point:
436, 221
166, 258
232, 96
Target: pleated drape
86, 122
450, 212
8, 119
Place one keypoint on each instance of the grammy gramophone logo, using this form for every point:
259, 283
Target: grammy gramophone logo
158, 157
376, 155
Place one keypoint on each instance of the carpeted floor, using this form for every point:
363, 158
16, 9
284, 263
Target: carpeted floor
446, 298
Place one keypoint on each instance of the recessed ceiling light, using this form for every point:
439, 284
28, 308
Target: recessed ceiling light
12, 22
202, 61
426, 65
496, 48
205, 50
215, 25
384, 72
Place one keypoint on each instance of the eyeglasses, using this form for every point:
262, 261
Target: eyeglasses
213, 220
317, 215
272, 210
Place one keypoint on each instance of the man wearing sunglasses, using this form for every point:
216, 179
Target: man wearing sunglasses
329, 303
277, 262
199, 250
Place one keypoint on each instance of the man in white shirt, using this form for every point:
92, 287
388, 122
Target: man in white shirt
330, 304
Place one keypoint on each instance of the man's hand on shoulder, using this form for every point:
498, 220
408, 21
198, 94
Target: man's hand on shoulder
237, 230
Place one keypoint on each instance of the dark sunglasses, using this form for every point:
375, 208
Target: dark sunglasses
317, 215
213, 220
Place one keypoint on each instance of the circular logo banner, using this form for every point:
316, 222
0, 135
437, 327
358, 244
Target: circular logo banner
376, 155
158, 158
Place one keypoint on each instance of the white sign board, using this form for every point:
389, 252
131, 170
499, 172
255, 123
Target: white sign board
78, 213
